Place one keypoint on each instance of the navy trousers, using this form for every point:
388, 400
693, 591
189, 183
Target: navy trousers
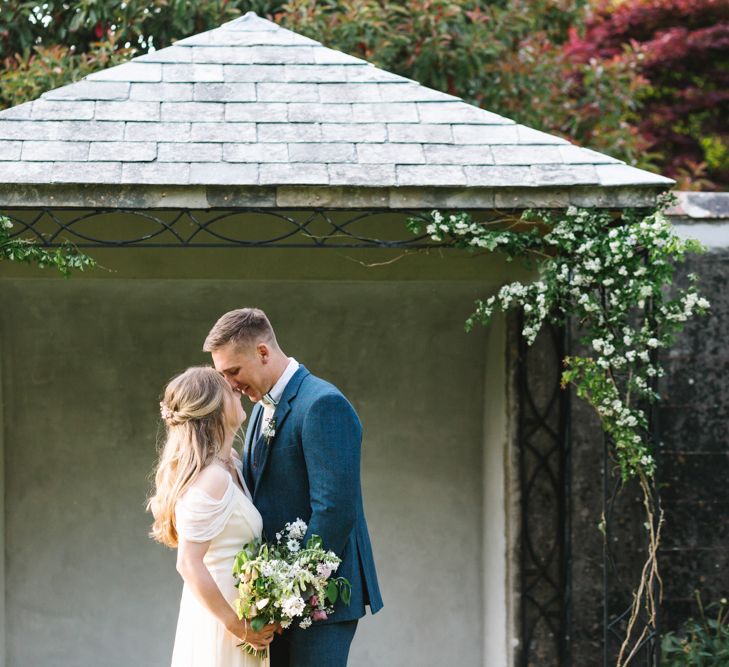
319, 646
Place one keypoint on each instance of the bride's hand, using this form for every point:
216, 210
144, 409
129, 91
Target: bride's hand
258, 640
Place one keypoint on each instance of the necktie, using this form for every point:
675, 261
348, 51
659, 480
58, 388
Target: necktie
269, 401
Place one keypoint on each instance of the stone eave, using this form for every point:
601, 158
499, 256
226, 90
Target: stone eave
200, 197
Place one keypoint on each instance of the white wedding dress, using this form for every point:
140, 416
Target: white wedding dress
201, 640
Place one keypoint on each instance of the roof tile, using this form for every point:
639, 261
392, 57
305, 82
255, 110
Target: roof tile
322, 152
390, 153
164, 173
222, 173
189, 152
521, 154
133, 151
230, 92
261, 112
287, 92
300, 174
90, 90
421, 174
131, 71
229, 132
129, 110
199, 112
256, 152
161, 92
355, 132
361, 174
62, 151
62, 110
192, 73
499, 176
10, 150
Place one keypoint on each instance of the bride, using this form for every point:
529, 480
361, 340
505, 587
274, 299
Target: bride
201, 506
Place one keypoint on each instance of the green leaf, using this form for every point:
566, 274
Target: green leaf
315, 542
332, 592
345, 591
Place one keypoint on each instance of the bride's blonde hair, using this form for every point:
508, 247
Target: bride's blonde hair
193, 410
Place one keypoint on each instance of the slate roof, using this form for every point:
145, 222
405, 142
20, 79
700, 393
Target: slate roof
254, 105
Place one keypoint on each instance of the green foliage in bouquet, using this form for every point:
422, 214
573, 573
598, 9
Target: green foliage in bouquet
704, 642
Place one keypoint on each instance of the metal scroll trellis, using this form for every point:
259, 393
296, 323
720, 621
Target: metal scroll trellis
545, 483
546, 551
249, 227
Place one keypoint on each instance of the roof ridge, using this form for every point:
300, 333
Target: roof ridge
251, 21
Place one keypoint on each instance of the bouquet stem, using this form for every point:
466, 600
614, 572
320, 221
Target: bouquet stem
261, 654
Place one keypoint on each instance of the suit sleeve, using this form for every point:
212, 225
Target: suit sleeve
332, 440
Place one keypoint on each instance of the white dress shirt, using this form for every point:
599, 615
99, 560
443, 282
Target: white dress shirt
277, 392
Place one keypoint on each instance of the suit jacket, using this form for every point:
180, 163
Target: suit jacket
311, 470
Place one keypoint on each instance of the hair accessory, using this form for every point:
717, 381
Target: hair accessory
167, 414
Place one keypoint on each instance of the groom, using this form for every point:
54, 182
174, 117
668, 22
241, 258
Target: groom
301, 459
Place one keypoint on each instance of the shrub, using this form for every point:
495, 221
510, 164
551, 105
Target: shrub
703, 642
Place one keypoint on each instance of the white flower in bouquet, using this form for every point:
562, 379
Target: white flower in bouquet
293, 606
297, 529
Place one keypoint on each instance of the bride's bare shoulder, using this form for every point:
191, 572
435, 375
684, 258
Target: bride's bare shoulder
213, 480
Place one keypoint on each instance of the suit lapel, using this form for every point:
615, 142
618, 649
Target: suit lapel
282, 411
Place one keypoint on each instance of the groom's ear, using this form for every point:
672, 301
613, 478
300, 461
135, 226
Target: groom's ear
264, 354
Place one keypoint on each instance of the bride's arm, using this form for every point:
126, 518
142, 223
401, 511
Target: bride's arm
191, 567
213, 481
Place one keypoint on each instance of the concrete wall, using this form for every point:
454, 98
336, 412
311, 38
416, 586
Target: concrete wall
83, 362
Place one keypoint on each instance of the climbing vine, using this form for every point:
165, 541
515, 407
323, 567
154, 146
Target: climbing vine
610, 274
65, 259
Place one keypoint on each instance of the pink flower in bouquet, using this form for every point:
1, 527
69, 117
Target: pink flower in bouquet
319, 615
314, 601
324, 570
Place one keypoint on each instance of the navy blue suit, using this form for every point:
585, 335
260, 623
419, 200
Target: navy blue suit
311, 470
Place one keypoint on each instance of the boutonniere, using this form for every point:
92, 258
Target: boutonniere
269, 432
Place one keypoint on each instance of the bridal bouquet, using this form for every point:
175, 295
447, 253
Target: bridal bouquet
287, 581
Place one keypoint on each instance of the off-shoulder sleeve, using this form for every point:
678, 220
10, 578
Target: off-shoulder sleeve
199, 517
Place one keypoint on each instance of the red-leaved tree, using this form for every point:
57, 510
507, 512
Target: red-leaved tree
682, 48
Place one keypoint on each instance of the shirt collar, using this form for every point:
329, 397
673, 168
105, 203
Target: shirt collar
278, 389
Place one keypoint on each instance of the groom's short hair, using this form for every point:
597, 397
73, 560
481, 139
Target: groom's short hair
242, 327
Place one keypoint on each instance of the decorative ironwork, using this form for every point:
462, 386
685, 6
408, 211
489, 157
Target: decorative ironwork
544, 439
249, 227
